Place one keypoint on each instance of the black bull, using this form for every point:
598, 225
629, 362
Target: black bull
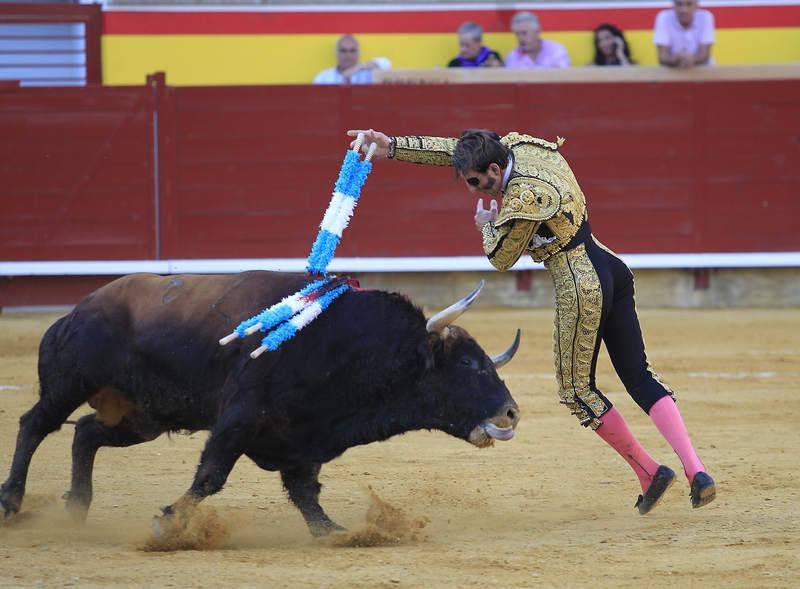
143, 351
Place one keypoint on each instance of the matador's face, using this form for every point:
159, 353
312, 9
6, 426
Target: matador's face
489, 182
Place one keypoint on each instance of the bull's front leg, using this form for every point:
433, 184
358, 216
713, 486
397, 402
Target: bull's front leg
302, 484
226, 443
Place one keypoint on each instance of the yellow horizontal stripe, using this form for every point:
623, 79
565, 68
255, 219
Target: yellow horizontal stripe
296, 59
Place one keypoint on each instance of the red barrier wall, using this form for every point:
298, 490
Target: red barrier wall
248, 171
76, 173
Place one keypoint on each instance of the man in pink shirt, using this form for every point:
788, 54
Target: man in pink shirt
533, 51
684, 35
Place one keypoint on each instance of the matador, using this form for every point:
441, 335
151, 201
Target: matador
543, 213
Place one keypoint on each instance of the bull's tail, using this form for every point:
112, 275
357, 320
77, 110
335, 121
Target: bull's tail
50, 349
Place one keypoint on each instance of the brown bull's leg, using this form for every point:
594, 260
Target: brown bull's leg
90, 436
34, 426
302, 484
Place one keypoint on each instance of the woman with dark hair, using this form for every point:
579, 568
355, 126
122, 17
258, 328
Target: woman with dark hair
610, 46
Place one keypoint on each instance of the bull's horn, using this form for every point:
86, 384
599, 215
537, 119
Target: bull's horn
444, 318
504, 358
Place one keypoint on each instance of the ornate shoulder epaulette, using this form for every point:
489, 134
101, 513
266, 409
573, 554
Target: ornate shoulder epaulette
420, 149
515, 138
530, 199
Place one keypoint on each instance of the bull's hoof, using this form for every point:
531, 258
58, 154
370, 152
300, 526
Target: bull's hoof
321, 529
77, 506
9, 504
160, 525
8, 510
168, 523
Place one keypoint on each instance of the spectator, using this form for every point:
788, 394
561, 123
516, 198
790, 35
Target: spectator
533, 51
348, 69
472, 51
610, 46
684, 35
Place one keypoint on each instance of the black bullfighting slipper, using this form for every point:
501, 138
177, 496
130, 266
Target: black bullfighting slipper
703, 490
662, 480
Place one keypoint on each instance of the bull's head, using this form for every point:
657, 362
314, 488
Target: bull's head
470, 399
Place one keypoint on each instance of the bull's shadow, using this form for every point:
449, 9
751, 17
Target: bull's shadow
143, 352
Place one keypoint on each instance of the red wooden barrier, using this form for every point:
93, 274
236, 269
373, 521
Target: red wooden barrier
247, 171
678, 167
76, 171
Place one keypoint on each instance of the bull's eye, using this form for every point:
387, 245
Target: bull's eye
469, 362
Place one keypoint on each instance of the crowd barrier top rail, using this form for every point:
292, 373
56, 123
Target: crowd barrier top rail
587, 74
788, 259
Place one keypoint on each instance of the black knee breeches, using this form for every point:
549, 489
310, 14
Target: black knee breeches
594, 302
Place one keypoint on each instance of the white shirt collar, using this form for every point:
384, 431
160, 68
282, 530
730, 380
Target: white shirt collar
507, 174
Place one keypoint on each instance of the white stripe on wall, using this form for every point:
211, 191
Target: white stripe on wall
339, 265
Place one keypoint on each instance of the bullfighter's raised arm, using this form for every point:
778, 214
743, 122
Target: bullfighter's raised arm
418, 149
421, 149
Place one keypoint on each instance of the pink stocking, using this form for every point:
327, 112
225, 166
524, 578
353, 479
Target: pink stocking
669, 422
616, 433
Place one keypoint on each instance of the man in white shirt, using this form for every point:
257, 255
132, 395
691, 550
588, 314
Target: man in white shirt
348, 70
684, 35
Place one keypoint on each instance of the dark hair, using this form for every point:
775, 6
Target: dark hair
477, 149
599, 58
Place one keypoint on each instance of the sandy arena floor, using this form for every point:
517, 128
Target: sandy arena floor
551, 508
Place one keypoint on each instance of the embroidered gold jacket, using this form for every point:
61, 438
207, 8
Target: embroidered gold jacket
543, 206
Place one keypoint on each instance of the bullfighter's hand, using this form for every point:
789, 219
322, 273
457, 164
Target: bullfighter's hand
482, 216
371, 136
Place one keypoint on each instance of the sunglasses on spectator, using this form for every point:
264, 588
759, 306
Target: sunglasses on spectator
473, 181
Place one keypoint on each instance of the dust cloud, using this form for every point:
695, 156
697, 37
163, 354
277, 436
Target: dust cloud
201, 529
385, 525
